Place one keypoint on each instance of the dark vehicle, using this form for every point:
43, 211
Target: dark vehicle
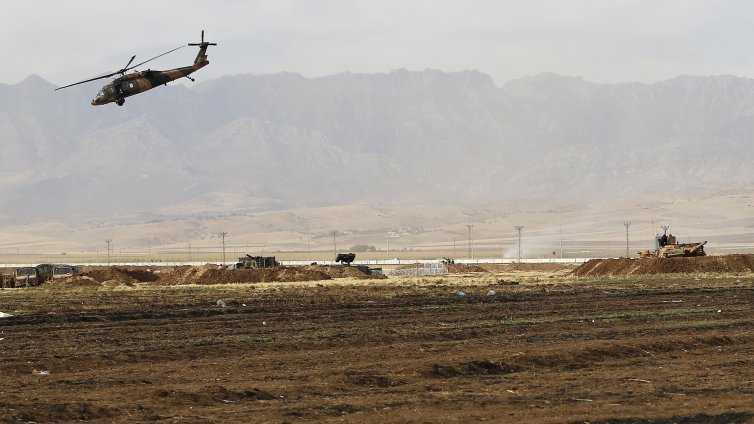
345, 258
44, 272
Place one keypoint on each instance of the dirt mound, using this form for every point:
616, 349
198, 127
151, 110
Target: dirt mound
347, 272
106, 276
122, 275
693, 265
464, 268
75, 281
210, 274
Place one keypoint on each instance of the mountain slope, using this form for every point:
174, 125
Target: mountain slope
276, 141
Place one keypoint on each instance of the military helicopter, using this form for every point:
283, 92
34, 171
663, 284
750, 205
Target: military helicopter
140, 81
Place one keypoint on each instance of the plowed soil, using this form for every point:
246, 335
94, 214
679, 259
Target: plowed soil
639, 350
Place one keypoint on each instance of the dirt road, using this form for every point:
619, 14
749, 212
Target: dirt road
409, 350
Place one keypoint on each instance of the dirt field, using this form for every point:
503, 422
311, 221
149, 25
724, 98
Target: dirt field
524, 346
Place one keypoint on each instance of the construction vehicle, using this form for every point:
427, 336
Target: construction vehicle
667, 246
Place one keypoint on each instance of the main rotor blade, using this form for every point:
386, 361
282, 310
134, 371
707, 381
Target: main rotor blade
121, 71
81, 82
149, 60
125, 68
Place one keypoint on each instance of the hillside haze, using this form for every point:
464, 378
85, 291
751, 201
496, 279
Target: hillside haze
283, 141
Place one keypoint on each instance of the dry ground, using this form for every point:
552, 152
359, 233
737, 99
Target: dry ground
551, 348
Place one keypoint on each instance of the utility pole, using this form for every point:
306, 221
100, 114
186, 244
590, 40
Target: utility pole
387, 255
519, 228
334, 244
223, 234
108, 241
471, 240
627, 224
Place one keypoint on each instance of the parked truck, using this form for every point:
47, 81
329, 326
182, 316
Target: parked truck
28, 276
20, 277
49, 272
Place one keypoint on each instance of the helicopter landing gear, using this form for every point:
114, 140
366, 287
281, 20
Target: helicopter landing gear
120, 102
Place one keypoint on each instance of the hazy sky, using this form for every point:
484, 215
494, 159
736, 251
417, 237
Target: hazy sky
600, 40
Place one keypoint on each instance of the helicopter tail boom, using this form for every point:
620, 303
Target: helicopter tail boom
201, 57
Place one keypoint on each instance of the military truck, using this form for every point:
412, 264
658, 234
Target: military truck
248, 261
20, 277
25, 277
49, 272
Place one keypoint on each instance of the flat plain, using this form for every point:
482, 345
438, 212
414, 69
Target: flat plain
496, 346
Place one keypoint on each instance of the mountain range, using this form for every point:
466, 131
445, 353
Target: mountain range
272, 142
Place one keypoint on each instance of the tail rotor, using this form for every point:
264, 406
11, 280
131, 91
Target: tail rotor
203, 44
201, 57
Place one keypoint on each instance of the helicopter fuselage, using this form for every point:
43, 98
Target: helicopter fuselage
141, 81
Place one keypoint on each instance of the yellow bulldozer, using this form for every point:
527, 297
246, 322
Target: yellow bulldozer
666, 246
